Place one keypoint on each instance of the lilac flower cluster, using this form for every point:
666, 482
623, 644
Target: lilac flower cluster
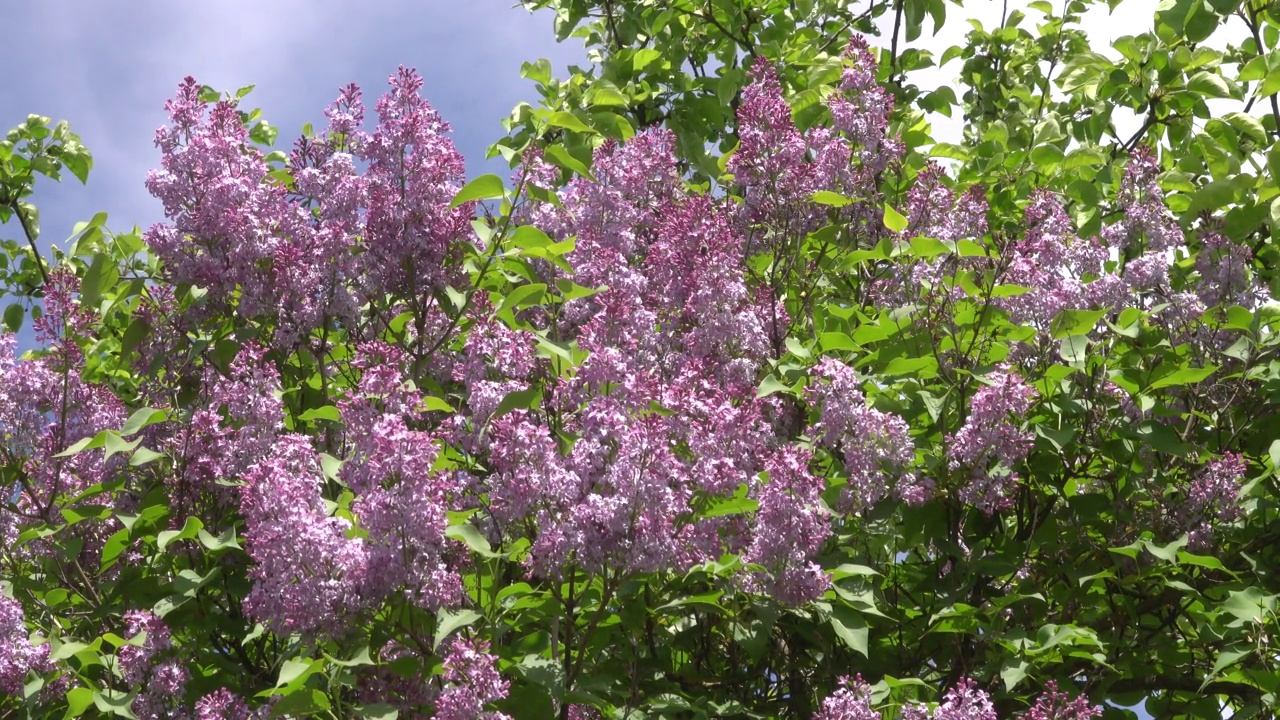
307, 255
45, 406
779, 167
933, 210
237, 426
1212, 498
307, 573
992, 442
158, 680
401, 500
18, 656
223, 704
1144, 217
964, 701
1055, 704
663, 407
1062, 272
471, 683
876, 447
851, 701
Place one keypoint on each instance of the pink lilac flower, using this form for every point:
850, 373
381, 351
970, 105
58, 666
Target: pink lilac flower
471, 683
1144, 216
160, 698
18, 656
158, 681
992, 442
401, 499
1040, 263
45, 407
136, 660
1225, 273
366, 214
771, 157
789, 530
1212, 499
398, 681
861, 107
964, 701
307, 573
411, 237
1055, 704
876, 447
851, 701
222, 704
778, 167
663, 407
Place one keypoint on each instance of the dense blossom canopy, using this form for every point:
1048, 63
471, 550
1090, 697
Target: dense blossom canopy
379, 449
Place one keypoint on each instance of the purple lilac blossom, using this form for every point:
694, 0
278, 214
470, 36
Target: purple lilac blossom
992, 442
18, 656
1212, 499
471, 682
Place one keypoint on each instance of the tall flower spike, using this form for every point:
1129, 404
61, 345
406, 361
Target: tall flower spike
991, 442
1212, 498
851, 701
307, 573
1145, 217
17, 655
471, 681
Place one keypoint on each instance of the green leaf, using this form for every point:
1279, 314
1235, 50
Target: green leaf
470, 535
894, 219
115, 703
13, 315
523, 296
1247, 605
832, 199
710, 599
605, 96
927, 247
225, 541
78, 700
324, 412
188, 532
561, 157
771, 385
448, 621
1248, 125
377, 711
1183, 376
850, 627
359, 658
570, 122
732, 506
836, 341
296, 671
144, 455
485, 187
517, 400
113, 547
431, 403
1209, 85
1075, 322
1074, 349
1013, 672
305, 702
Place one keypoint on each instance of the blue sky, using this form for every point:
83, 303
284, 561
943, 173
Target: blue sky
108, 71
